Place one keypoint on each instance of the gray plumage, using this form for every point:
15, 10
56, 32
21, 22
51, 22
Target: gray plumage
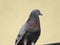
30, 31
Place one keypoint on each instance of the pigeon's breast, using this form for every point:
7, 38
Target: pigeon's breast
32, 26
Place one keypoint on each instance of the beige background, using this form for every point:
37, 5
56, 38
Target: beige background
14, 13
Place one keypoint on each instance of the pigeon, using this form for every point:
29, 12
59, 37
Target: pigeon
30, 31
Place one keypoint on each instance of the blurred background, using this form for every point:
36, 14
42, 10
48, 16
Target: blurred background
14, 13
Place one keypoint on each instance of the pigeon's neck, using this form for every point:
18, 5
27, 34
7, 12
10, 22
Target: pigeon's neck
33, 17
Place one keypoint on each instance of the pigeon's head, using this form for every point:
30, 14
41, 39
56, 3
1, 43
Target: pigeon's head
36, 12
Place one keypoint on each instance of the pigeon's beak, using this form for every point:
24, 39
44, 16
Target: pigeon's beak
40, 14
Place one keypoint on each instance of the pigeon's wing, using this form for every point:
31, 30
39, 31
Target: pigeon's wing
20, 35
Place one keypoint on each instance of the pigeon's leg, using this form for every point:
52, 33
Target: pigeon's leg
25, 42
32, 43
